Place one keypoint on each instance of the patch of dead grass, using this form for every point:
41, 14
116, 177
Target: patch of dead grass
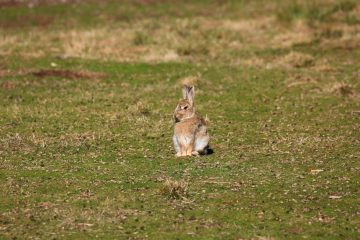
263, 238
298, 33
158, 56
182, 39
298, 80
173, 41
189, 80
175, 189
342, 89
252, 62
349, 36
256, 26
323, 65
139, 110
296, 60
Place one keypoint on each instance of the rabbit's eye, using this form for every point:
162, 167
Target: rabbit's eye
186, 107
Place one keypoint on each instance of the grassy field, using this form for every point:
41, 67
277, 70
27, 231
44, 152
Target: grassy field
87, 92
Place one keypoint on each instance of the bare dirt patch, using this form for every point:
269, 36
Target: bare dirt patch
9, 3
67, 74
25, 20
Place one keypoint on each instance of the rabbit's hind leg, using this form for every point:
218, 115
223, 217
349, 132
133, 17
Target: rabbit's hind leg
176, 146
182, 144
186, 145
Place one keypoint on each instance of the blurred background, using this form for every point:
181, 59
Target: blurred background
232, 32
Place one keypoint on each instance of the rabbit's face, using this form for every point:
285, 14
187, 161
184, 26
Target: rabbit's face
183, 110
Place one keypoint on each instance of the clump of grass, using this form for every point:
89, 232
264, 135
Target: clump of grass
139, 109
175, 189
189, 80
298, 80
192, 50
331, 33
345, 6
314, 12
7, 85
297, 60
343, 89
140, 39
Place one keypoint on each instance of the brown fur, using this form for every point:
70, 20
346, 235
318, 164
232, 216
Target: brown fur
190, 131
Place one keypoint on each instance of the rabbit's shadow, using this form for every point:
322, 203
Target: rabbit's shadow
208, 151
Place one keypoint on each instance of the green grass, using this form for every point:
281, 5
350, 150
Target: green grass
85, 155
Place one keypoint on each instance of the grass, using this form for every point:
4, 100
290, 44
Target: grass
86, 120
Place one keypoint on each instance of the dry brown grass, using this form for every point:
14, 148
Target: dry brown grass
298, 33
296, 60
168, 43
175, 189
178, 40
298, 80
181, 39
68, 219
256, 32
189, 80
342, 89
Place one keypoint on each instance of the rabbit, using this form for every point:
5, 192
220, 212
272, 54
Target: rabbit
191, 137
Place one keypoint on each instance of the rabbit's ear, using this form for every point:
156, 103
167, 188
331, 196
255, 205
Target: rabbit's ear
189, 93
185, 91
